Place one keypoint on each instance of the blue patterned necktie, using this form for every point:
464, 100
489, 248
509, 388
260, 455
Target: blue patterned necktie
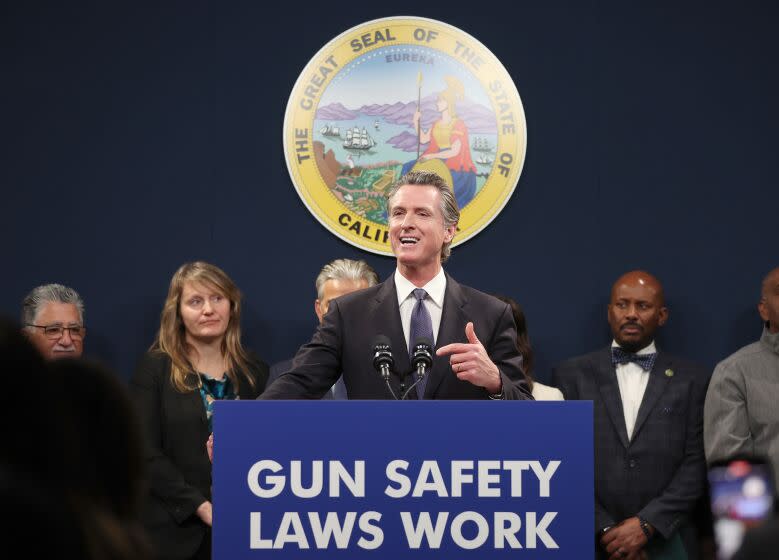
621, 356
421, 327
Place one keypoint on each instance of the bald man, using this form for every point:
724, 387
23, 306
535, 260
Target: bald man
741, 416
648, 420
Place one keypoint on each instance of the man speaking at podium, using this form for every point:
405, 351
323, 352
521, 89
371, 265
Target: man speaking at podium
474, 333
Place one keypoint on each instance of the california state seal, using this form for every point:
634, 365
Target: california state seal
394, 95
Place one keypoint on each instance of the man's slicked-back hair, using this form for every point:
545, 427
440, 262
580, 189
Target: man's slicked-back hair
449, 209
345, 269
40, 296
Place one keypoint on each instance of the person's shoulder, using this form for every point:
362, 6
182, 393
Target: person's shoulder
681, 364
582, 360
474, 296
359, 297
743, 354
572, 374
153, 359
153, 364
735, 366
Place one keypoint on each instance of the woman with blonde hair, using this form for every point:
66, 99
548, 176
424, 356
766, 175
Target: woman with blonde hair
196, 359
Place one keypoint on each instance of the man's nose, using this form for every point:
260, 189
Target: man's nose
65, 339
632, 311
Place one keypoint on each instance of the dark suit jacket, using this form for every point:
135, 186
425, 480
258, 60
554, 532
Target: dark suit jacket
179, 471
344, 343
660, 473
337, 392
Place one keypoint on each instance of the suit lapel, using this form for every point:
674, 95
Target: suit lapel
451, 329
609, 390
387, 313
657, 383
193, 401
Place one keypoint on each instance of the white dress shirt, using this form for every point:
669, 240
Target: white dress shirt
434, 302
632, 380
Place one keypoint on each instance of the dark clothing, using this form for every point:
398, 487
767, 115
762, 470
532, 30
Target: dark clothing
760, 543
344, 343
337, 392
176, 430
660, 473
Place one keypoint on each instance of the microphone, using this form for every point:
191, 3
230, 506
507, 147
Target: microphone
422, 357
382, 356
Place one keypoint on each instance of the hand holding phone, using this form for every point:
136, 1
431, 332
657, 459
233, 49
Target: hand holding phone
742, 496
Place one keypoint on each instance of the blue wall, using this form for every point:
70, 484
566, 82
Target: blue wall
140, 135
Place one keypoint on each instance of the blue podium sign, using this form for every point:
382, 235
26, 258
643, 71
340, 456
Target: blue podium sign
400, 480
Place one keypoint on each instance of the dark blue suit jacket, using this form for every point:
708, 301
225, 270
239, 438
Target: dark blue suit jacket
337, 392
660, 473
343, 343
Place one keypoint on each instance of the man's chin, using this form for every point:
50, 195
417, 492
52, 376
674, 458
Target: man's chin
407, 259
633, 345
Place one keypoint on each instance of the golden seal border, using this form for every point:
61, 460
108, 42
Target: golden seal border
341, 51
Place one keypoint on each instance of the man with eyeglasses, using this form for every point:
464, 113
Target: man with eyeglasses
53, 320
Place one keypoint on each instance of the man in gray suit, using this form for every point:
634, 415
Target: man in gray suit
741, 416
648, 415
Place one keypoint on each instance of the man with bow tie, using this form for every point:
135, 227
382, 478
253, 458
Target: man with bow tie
648, 427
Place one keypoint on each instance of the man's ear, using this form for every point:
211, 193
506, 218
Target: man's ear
661, 320
449, 233
318, 310
761, 308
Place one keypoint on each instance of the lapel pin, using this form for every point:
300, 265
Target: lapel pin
669, 373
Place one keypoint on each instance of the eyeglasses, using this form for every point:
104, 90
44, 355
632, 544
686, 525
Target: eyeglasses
55, 332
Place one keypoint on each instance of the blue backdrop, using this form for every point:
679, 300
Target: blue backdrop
140, 135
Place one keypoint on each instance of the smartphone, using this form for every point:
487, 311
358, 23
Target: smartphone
742, 493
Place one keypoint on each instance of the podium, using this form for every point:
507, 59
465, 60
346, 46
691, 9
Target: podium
403, 480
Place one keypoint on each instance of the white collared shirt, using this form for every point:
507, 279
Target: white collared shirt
434, 302
632, 380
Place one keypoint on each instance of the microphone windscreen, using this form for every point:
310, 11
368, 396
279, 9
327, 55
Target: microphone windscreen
422, 352
423, 341
381, 340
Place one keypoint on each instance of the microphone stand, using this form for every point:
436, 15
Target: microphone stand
394, 396
410, 388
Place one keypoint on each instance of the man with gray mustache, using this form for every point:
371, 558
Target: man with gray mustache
53, 320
